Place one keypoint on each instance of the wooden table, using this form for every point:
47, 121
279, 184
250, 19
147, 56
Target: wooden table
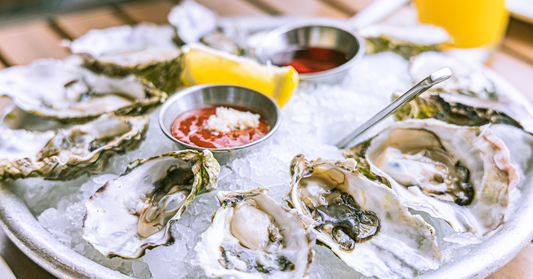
23, 42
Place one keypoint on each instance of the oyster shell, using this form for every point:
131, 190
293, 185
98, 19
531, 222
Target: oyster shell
468, 79
63, 90
407, 41
68, 153
146, 50
460, 174
362, 221
192, 21
473, 97
134, 212
252, 236
196, 23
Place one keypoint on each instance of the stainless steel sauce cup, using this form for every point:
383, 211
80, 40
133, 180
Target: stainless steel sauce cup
219, 95
320, 34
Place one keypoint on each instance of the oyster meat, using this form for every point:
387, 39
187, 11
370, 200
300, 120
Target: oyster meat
68, 153
252, 236
473, 97
362, 221
460, 174
134, 212
407, 41
146, 50
63, 90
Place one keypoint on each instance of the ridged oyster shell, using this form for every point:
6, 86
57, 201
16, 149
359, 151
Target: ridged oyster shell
63, 90
252, 236
362, 221
146, 50
135, 211
407, 40
71, 152
459, 174
472, 97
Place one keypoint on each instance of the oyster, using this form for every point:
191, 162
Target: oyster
192, 21
146, 50
460, 174
362, 221
196, 23
468, 79
406, 40
63, 90
134, 212
68, 153
252, 236
473, 97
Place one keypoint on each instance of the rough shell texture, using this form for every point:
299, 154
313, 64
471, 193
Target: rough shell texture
192, 21
134, 212
407, 41
468, 78
68, 153
63, 90
146, 50
485, 156
403, 244
473, 96
235, 245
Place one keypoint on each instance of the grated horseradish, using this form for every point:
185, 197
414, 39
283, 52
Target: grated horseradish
228, 120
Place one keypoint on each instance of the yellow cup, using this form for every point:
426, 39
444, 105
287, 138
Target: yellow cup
471, 23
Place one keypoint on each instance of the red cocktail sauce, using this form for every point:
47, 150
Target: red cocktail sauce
310, 60
189, 128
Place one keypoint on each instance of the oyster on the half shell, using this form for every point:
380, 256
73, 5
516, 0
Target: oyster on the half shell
362, 221
472, 97
407, 41
135, 211
252, 236
146, 50
68, 153
63, 90
459, 174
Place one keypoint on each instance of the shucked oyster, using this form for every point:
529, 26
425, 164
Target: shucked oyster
146, 50
362, 221
63, 90
459, 174
472, 97
252, 236
468, 78
407, 40
197, 24
135, 211
68, 153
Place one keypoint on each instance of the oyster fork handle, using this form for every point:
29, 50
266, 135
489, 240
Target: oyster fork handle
436, 77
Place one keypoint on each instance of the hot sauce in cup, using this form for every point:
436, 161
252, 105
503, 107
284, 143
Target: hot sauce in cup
219, 127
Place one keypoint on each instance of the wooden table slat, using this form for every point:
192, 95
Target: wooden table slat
521, 267
77, 24
233, 7
154, 11
22, 43
304, 7
519, 39
516, 71
350, 6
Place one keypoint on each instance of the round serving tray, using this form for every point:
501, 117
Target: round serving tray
496, 251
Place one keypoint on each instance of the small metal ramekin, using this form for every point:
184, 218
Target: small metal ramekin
323, 34
219, 95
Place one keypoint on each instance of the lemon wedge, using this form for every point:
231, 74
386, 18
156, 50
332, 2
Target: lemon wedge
208, 66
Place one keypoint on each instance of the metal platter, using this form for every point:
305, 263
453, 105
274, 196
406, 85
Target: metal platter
496, 251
